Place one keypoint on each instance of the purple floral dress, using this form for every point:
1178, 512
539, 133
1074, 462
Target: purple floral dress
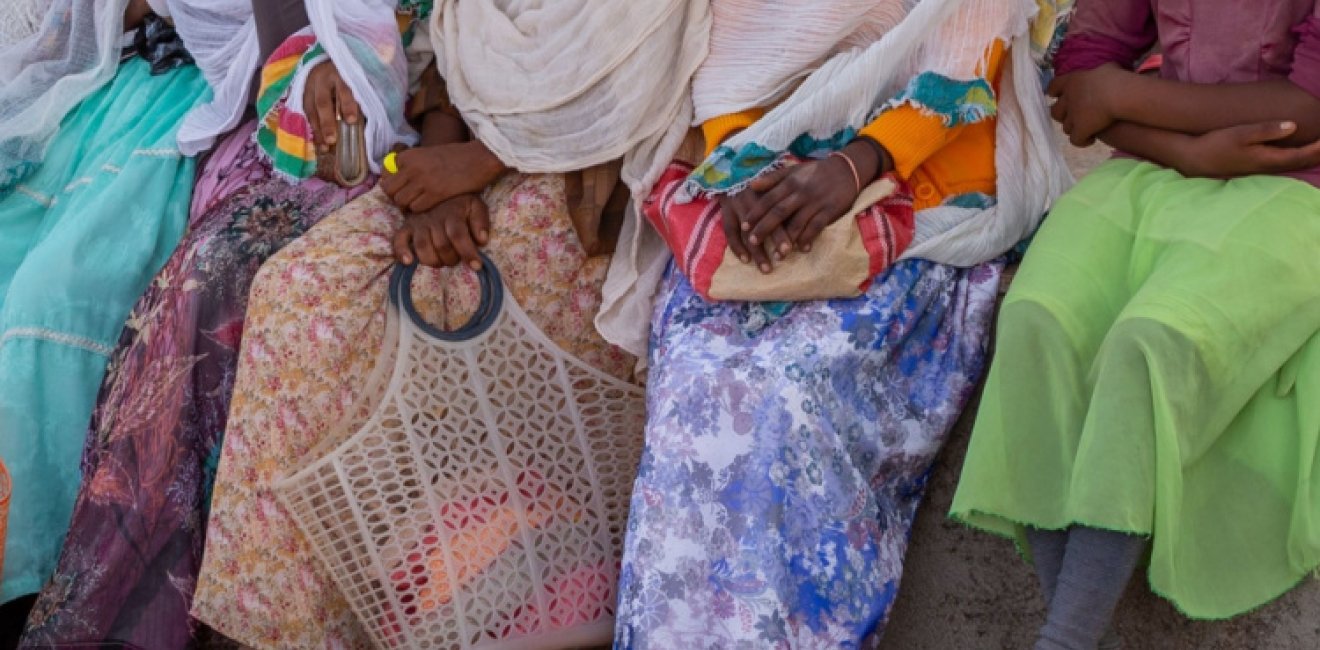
788, 447
129, 565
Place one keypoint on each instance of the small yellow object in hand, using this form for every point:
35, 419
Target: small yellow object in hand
390, 164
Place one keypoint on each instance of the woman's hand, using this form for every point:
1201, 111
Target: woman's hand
1083, 102
802, 200
733, 207
1245, 150
326, 99
789, 207
429, 176
445, 235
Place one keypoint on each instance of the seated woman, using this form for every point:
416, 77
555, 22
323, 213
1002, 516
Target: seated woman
130, 562
530, 178
788, 443
1151, 401
96, 170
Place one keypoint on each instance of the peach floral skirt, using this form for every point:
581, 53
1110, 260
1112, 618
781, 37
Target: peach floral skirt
316, 321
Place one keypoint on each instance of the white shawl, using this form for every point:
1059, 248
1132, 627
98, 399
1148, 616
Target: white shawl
20, 19
838, 61
563, 85
76, 51
221, 35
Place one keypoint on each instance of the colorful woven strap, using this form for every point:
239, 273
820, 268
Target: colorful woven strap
285, 135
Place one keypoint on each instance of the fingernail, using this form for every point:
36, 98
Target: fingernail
1286, 126
746, 226
754, 239
483, 235
765, 268
779, 255
475, 265
745, 259
351, 119
330, 139
806, 248
784, 248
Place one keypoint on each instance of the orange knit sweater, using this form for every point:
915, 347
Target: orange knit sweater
937, 160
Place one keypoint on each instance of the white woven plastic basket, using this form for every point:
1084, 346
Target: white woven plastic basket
482, 505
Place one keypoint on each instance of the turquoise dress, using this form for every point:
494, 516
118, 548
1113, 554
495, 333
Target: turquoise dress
80, 239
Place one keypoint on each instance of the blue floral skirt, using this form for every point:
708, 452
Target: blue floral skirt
787, 450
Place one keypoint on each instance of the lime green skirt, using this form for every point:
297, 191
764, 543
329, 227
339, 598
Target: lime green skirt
1158, 372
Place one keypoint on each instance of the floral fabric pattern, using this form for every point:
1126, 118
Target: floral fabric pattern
129, 565
316, 322
786, 453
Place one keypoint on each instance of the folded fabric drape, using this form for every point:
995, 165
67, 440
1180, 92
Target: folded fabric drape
76, 52
20, 19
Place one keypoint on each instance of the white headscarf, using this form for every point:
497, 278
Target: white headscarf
76, 51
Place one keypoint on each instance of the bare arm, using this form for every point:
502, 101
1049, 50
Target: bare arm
439, 127
1167, 148
447, 163
1200, 108
1090, 99
1222, 153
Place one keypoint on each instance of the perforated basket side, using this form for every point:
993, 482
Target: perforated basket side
482, 506
346, 506
613, 420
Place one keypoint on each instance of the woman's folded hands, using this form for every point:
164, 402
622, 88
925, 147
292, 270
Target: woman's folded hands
446, 235
430, 175
786, 209
1200, 130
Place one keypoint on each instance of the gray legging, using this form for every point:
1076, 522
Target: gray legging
1083, 572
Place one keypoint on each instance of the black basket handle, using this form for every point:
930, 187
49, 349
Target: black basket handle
492, 301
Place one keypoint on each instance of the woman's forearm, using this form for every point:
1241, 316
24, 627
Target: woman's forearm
1200, 108
439, 127
1231, 152
1157, 145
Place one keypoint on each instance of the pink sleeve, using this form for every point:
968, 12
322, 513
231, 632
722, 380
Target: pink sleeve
1306, 57
1106, 31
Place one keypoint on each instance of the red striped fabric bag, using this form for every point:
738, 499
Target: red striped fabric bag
843, 260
